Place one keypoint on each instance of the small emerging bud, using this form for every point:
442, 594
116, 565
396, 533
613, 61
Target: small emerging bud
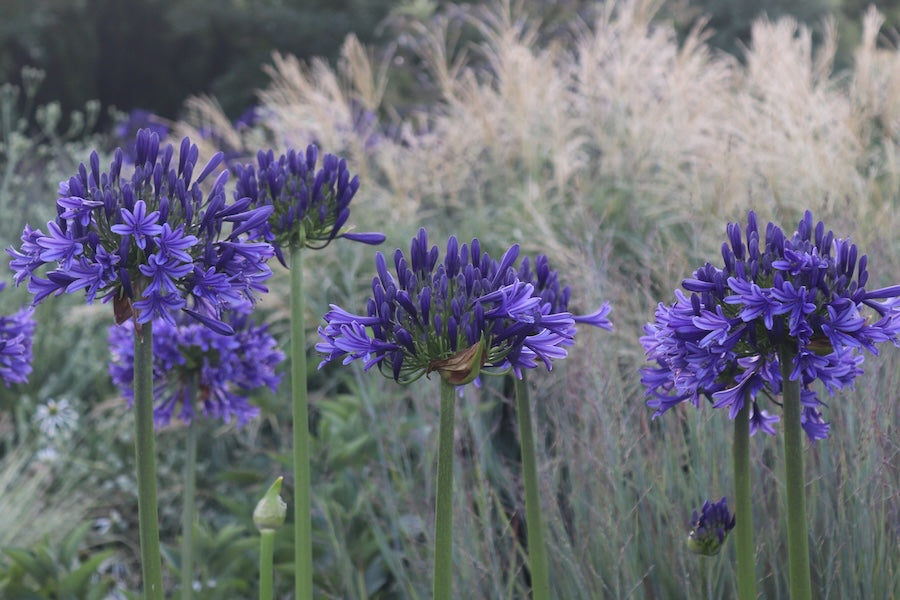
271, 509
710, 528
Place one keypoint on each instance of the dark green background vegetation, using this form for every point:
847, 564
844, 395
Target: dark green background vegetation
152, 54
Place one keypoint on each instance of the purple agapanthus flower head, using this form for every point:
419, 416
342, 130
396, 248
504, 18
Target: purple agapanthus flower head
198, 371
556, 299
805, 294
154, 243
133, 122
16, 333
710, 527
309, 207
465, 315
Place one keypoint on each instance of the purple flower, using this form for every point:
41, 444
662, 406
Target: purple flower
546, 285
198, 371
152, 243
309, 207
710, 527
805, 293
16, 333
466, 315
139, 224
136, 120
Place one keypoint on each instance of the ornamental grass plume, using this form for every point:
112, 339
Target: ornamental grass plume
782, 313
16, 334
154, 244
308, 208
462, 317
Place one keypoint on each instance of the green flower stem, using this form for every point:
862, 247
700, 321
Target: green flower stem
189, 510
795, 483
443, 524
743, 506
266, 558
537, 555
145, 457
303, 573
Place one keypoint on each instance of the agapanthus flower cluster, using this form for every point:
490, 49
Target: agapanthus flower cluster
134, 121
805, 294
153, 243
16, 333
196, 370
555, 299
710, 527
460, 317
309, 207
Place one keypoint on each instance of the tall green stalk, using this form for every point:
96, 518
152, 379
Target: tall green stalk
189, 509
443, 524
795, 483
303, 573
266, 558
268, 516
743, 506
145, 457
537, 553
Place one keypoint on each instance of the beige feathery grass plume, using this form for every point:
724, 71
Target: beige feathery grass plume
615, 120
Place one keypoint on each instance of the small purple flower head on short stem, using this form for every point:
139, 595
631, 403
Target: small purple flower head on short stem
805, 293
710, 527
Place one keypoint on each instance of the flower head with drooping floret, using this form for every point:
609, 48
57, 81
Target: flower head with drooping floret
798, 293
546, 285
192, 363
309, 207
465, 315
16, 333
710, 527
153, 243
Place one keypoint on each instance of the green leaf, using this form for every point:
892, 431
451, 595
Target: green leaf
75, 581
36, 563
70, 544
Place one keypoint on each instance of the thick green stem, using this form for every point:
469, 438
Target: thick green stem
303, 574
537, 554
443, 523
145, 457
795, 483
266, 558
189, 509
743, 506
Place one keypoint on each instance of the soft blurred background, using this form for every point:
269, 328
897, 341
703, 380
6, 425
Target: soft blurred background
616, 137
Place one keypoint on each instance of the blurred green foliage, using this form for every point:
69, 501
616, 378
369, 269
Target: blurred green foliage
57, 572
154, 53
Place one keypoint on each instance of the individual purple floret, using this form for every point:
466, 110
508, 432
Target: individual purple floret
805, 293
16, 333
196, 370
710, 527
154, 243
309, 207
459, 317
